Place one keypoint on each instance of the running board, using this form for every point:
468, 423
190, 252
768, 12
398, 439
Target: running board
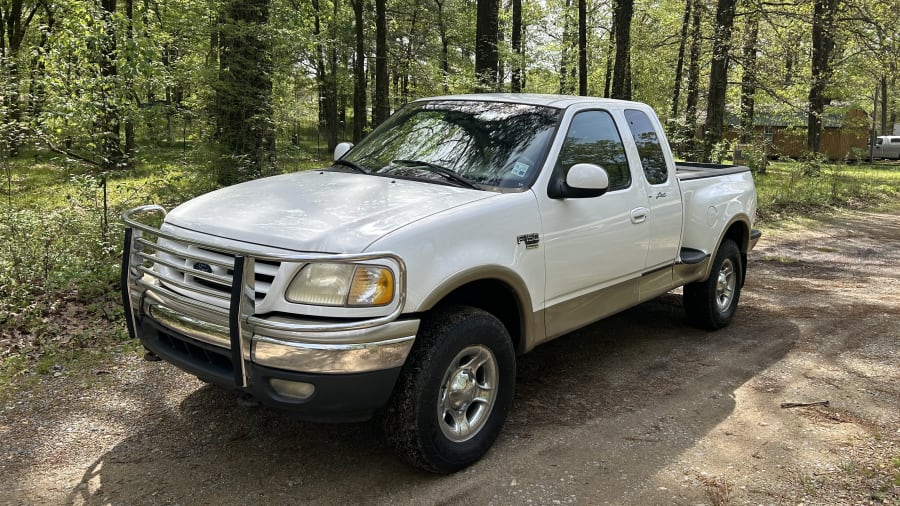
691, 256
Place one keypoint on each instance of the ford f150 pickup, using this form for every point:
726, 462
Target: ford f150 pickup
403, 280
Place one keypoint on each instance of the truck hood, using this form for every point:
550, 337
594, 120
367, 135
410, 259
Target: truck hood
322, 211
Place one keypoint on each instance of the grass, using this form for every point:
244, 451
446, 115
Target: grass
785, 190
60, 242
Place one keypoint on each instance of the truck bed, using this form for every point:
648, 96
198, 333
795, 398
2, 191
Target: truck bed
696, 170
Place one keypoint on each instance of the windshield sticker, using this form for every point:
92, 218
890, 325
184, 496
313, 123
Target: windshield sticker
520, 169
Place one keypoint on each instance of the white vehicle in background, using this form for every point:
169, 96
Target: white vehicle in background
887, 146
403, 281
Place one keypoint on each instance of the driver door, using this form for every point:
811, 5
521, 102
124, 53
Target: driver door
596, 248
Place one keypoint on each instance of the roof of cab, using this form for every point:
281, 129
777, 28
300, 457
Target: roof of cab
558, 101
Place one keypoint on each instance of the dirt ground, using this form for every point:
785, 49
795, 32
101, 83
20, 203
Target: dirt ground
637, 409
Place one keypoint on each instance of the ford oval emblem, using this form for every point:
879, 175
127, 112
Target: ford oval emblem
200, 266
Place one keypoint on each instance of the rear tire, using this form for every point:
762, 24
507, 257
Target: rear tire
711, 304
454, 391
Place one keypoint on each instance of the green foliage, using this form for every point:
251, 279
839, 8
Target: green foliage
756, 156
811, 164
720, 151
58, 268
785, 190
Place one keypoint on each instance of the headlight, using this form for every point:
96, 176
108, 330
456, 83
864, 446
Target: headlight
325, 284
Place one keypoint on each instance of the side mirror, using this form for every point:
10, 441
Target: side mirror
587, 176
584, 180
341, 149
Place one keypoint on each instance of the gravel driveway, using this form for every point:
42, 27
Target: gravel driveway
637, 409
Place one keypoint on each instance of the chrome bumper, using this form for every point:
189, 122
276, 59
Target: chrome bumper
335, 352
287, 343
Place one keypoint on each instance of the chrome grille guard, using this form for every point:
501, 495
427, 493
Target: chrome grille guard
242, 323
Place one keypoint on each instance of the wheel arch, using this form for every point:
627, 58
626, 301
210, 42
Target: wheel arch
738, 230
498, 291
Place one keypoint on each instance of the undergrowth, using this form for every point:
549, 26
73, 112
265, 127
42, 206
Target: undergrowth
790, 189
60, 244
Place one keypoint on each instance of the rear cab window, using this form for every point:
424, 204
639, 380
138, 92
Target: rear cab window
653, 161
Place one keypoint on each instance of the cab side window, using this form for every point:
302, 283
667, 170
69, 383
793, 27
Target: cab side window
649, 149
593, 138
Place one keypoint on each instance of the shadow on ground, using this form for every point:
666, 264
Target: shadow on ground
628, 394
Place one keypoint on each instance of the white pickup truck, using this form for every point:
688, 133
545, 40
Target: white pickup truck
403, 281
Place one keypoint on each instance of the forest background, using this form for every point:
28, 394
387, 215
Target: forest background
106, 104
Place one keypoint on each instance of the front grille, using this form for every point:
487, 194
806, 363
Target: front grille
188, 267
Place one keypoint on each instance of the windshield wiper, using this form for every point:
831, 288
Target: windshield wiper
444, 171
353, 165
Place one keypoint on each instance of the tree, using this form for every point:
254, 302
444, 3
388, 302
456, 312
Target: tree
693, 84
445, 43
129, 120
582, 48
108, 123
822, 47
15, 18
381, 100
486, 52
748, 78
621, 82
610, 51
679, 64
567, 67
718, 75
518, 70
246, 135
359, 73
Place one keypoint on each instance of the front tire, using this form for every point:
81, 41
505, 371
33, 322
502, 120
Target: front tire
711, 304
454, 391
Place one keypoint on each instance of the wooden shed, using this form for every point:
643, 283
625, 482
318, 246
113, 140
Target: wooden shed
845, 132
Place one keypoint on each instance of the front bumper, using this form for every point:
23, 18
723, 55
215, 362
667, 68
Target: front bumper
334, 397
318, 368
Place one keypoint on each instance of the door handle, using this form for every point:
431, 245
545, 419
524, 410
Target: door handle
639, 215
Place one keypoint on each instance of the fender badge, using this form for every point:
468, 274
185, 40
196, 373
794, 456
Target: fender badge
531, 240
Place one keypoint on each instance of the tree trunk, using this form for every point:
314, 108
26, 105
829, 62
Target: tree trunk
718, 76
885, 104
129, 84
108, 122
516, 41
331, 85
445, 47
748, 77
610, 51
501, 69
244, 92
679, 64
359, 69
381, 100
38, 68
822, 47
566, 66
15, 25
693, 84
582, 48
319, 63
621, 83
486, 55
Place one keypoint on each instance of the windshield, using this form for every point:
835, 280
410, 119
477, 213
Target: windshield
489, 144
